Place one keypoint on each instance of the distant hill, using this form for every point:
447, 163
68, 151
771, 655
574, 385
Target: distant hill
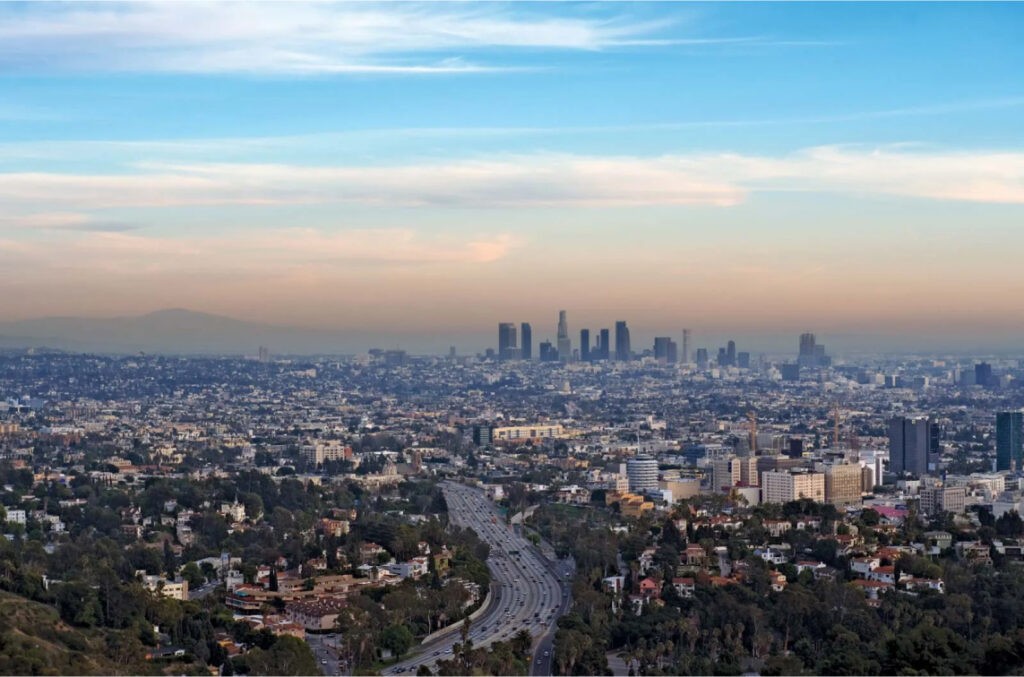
165, 331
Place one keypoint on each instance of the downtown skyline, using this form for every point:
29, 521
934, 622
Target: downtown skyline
417, 173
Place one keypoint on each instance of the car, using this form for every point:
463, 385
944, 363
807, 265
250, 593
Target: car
323, 662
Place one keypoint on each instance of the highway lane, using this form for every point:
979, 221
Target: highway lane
526, 591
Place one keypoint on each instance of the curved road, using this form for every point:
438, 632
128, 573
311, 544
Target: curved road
527, 593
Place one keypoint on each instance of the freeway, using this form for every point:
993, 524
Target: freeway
526, 592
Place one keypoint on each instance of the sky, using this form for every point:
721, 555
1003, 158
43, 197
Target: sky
429, 170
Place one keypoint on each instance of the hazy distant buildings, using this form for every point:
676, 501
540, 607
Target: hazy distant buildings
1009, 450
526, 340
730, 353
623, 352
584, 345
913, 445
264, 354
686, 346
743, 360
812, 354
605, 352
983, 375
507, 349
702, 358
564, 343
665, 350
548, 353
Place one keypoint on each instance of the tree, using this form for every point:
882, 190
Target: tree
287, 656
397, 639
193, 575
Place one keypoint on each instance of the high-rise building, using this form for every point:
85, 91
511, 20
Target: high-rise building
584, 345
781, 486
526, 337
806, 356
673, 352
564, 343
723, 358
1009, 450
913, 445
606, 344
702, 358
843, 483
548, 353
623, 352
743, 360
661, 348
686, 346
264, 354
507, 349
642, 472
730, 353
983, 375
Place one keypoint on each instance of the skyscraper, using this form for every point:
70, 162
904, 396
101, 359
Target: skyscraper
548, 353
623, 352
507, 341
1009, 448
526, 336
730, 353
686, 346
584, 345
983, 375
806, 357
605, 344
564, 344
662, 348
913, 445
702, 358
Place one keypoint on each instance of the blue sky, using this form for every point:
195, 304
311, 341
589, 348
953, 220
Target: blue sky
429, 156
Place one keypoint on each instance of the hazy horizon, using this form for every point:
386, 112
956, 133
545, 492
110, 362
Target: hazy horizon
430, 170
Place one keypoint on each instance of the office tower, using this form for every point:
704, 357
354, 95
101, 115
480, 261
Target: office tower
913, 445
806, 357
584, 345
642, 472
506, 341
686, 346
1009, 449
784, 486
843, 483
673, 352
548, 353
702, 358
526, 336
606, 347
796, 448
983, 375
730, 354
939, 499
661, 344
564, 344
790, 372
451, 352
723, 357
623, 352
743, 360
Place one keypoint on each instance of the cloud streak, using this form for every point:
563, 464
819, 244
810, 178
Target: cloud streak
531, 181
294, 38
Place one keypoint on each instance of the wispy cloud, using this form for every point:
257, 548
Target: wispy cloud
294, 38
539, 180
